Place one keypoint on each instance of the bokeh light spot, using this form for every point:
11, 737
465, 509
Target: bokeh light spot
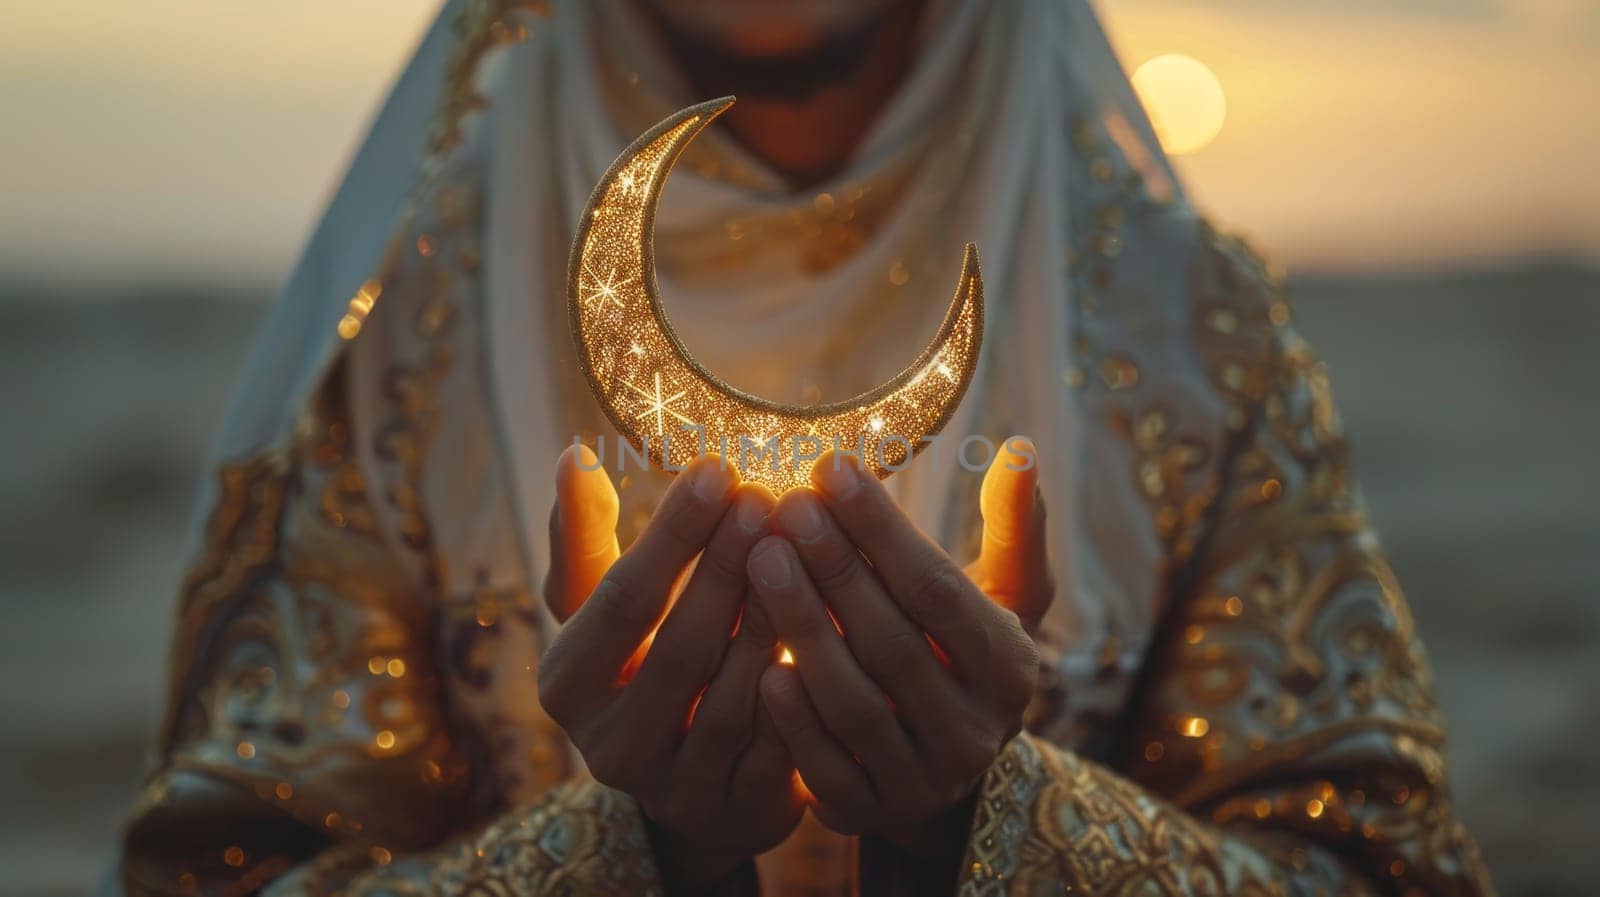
1184, 100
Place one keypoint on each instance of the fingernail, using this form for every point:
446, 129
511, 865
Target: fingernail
800, 518
838, 476
711, 481
750, 515
770, 566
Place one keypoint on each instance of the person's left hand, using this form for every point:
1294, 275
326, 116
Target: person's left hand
892, 725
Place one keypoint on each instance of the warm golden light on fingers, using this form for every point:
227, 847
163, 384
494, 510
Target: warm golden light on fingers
694, 707
1005, 500
802, 790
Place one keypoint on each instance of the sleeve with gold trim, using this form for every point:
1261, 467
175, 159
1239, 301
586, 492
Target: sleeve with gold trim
303, 707
1282, 737
578, 838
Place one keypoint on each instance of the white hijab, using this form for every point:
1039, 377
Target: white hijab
973, 147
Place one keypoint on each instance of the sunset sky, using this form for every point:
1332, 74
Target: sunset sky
198, 139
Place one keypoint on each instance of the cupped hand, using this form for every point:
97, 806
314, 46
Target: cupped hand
657, 685
900, 701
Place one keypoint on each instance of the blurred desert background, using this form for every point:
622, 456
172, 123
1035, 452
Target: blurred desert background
1424, 168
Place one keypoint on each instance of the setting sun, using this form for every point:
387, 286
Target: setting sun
1184, 100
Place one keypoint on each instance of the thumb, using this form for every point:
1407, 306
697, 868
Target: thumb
1013, 566
583, 531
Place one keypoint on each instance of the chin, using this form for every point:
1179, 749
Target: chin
757, 29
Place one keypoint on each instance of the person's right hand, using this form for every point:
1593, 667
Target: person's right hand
670, 715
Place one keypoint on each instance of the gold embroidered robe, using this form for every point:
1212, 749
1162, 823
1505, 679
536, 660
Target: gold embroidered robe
349, 714
1280, 738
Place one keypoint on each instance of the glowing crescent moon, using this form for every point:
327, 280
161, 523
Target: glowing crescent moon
651, 387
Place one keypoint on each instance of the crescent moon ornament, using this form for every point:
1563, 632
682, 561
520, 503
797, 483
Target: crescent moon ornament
671, 409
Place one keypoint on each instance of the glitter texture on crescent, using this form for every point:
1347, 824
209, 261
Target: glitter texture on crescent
667, 405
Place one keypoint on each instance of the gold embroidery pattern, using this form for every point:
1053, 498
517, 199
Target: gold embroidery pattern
240, 542
1002, 820
1113, 192
342, 499
583, 838
489, 639
1051, 823
580, 839
308, 670
1166, 469
481, 26
430, 282
489, 646
1113, 185
331, 872
1290, 655
402, 444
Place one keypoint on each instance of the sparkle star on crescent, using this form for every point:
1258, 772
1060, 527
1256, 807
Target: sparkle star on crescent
604, 290
658, 404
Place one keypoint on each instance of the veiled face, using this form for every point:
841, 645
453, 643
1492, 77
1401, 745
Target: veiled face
770, 49
766, 29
